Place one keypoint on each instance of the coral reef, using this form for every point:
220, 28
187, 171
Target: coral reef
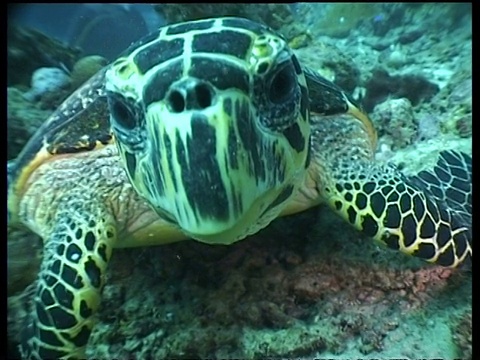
85, 68
463, 335
428, 127
460, 103
382, 85
26, 111
331, 63
394, 57
455, 101
463, 126
46, 80
29, 50
410, 35
339, 19
294, 289
267, 296
307, 286
395, 122
438, 19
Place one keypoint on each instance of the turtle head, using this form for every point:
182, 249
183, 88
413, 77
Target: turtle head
211, 120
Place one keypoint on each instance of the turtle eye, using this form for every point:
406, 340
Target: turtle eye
122, 115
282, 84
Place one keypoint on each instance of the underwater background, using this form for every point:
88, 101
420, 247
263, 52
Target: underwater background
307, 286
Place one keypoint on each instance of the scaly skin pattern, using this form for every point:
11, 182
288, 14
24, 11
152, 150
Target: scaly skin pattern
80, 206
428, 216
83, 206
217, 158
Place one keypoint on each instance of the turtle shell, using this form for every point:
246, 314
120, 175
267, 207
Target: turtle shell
80, 124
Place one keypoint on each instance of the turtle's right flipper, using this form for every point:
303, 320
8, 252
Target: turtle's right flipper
450, 182
70, 282
403, 213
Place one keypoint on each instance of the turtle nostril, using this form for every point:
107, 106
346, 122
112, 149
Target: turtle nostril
190, 94
176, 101
203, 96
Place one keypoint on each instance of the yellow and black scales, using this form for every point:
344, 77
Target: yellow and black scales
208, 129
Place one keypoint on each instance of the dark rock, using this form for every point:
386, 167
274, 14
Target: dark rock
379, 44
382, 85
391, 17
464, 126
28, 50
409, 36
462, 334
380, 27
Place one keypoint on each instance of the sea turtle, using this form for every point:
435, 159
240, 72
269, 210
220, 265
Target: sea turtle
208, 129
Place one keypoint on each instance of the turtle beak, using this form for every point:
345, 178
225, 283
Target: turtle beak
211, 166
361, 115
326, 98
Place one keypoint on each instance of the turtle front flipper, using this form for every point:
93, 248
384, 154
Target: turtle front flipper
450, 182
69, 285
427, 218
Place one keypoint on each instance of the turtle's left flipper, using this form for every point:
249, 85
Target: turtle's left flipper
70, 282
419, 218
